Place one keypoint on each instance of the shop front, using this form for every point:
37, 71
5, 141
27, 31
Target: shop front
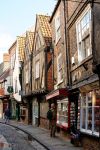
90, 115
62, 102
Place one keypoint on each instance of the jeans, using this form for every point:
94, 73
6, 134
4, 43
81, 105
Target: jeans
6, 119
52, 128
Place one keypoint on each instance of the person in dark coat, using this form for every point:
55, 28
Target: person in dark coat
7, 115
53, 121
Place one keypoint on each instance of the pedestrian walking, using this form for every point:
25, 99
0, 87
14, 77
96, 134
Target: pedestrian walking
51, 115
7, 115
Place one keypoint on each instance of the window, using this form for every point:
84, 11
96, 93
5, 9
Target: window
16, 88
83, 29
90, 112
57, 26
37, 67
38, 42
12, 61
62, 113
60, 69
26, 74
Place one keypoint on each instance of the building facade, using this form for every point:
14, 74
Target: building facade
4, 84
13, 104
41, 70
27, 76
82, 27
61, 81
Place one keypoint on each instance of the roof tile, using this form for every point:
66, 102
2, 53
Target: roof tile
45, 27
21, 46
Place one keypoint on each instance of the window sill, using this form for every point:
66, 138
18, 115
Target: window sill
81, 63
89, 133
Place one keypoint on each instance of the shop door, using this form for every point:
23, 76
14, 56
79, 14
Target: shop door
35, 115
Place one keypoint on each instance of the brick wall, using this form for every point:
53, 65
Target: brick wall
96, 40
59, 47
49, 73
6, 57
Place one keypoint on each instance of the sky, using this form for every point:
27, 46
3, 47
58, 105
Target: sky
16, 16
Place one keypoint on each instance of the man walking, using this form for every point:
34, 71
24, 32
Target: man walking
7, 115
53, 121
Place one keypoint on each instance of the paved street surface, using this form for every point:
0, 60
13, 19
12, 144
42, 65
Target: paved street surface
4, 145
41, 135
16, 139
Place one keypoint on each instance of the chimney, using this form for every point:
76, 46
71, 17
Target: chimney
6, 61
6, 57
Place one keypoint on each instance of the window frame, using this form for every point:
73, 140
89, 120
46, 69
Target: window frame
26, 74
62, 112
57, 26
80, 42
37, 69
86, 130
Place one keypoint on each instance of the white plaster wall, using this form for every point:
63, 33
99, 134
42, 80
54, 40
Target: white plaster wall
16, 77
7, 83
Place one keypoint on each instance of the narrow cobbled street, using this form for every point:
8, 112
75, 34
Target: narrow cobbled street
17, 139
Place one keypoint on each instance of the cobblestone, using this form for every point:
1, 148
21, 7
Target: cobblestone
43, 136
17, 139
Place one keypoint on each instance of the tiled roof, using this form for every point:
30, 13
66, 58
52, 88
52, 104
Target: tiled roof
30, 38
1, 68
45, 27
21, 47
4, 75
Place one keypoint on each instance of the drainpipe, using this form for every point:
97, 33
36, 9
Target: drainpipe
67, 55
45, 53
66, 41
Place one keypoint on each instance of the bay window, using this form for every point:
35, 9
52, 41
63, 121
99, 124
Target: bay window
90, 112
83, 30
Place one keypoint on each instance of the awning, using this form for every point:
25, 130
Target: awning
57, 94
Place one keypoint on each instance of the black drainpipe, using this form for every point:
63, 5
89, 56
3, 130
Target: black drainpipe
46, 51
66, 42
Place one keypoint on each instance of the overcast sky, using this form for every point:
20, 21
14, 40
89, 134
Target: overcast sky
16, 16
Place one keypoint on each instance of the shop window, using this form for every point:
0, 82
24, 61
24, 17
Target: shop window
62, 113
83, 29
90, 112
